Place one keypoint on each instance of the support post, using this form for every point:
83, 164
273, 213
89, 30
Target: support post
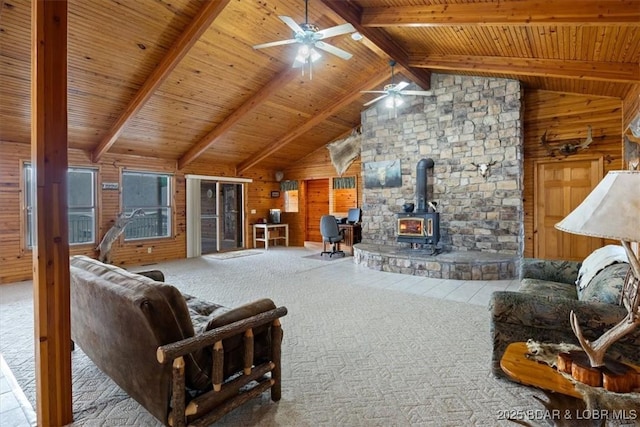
51, 243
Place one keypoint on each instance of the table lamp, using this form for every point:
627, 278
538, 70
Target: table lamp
611, 211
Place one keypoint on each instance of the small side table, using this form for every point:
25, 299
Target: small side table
266, 236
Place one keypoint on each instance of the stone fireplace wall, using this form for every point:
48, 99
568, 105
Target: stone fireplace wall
466, 120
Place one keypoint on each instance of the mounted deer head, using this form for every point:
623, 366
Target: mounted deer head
483, 168
567, 148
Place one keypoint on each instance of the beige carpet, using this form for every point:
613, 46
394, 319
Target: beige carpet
234, 254
353, 354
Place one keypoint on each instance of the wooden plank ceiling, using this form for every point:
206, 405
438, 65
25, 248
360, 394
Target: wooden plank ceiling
179, 79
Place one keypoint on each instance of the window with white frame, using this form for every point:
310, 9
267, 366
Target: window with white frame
81, 205
150, 195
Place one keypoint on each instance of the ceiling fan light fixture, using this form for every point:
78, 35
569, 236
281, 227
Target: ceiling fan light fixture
315, 55
393, 101
304, 51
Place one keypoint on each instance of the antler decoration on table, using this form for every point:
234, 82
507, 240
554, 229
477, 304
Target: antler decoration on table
631, 300
568, 148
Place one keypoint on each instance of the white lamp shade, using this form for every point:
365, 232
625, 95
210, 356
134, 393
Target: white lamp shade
610, 211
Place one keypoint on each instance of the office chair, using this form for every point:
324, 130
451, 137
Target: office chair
330, 234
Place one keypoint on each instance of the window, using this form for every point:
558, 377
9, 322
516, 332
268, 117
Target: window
81, 205
149, 194
290, 189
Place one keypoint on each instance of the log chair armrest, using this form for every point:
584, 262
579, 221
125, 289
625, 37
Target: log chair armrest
167, 353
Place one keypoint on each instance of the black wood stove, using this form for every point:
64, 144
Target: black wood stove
421, 227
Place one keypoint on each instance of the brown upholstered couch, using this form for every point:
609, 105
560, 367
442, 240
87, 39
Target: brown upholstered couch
188, 362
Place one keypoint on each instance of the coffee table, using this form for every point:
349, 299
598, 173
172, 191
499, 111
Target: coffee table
530, 372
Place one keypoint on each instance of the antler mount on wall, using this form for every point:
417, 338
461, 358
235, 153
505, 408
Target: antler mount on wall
567, 148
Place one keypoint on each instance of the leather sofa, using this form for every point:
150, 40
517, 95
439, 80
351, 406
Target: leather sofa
187, 361
540, 309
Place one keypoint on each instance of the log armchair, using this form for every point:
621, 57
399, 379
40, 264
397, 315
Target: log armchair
185, 360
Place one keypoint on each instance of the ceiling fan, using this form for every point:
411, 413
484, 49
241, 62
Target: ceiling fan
310, 37
393, 92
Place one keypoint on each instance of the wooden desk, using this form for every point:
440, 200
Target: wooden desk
530, 372
352, 235
269, 233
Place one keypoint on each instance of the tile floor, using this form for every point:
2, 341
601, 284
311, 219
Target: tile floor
15, 410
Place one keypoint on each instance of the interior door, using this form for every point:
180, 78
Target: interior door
317, 205
560, 188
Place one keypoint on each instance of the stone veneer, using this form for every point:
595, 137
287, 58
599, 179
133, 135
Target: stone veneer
466, 120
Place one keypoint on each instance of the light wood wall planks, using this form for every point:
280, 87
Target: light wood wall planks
16, 260
565, 117
316, 165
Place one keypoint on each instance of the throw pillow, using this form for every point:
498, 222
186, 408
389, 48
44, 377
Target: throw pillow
607, 285
599, 259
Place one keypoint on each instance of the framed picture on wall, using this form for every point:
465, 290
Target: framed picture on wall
382, 174
275, 194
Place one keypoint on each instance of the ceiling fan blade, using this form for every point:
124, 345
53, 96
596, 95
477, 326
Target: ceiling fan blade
416, 92
374, 91
278, 43
335, 31
401, 86
291, 24
333, 50
375, 100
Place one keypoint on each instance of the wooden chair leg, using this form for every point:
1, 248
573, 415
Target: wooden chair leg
276, 373
178, 396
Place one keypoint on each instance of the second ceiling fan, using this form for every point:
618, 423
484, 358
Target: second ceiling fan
310, 37
393, 92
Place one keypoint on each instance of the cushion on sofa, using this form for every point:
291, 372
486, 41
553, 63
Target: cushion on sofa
597, 260
606, 286
548, 288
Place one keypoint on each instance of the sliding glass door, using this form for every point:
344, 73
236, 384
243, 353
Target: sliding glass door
208, 217
231, 217
215, 216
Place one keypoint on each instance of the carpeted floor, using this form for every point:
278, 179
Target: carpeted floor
234, 254
354, 354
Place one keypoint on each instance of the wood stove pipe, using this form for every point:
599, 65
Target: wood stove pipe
421, 184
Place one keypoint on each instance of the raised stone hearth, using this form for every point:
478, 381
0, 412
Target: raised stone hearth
460, 265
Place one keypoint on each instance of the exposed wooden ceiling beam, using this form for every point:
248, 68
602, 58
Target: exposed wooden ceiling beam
352, 14
218, 132
552, 12
587, 70
180, 48
376, 79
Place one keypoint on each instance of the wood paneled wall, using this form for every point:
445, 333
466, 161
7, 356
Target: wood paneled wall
316, 165
630, 106
565, 117
17, 260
